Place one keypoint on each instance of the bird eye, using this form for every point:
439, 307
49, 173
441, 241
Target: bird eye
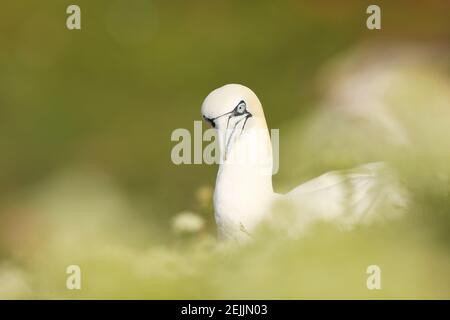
241, 107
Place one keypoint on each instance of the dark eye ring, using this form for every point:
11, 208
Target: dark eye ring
241, 107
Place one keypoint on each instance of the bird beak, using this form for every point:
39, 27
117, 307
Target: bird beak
232, 120
231, 131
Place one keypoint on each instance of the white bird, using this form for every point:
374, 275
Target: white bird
244, 196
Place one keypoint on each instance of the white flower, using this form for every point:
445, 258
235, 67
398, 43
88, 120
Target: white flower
187, 222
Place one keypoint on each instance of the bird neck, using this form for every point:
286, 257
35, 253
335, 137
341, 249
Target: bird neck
244, 181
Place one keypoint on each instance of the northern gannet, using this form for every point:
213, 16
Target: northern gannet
244, 196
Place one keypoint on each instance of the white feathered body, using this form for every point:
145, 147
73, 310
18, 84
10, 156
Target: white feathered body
358, 196
244, 196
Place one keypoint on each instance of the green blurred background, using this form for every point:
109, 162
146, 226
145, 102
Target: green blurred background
85, 124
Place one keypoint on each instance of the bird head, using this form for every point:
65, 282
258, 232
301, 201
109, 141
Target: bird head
232, 109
